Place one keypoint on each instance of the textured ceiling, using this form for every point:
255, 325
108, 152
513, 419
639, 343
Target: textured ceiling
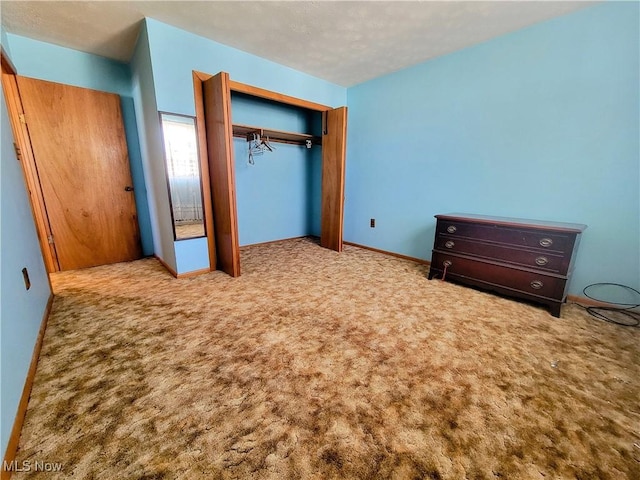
343, 42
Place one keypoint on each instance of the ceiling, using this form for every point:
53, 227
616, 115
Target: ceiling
343, 42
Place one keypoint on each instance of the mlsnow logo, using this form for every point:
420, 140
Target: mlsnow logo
29, 466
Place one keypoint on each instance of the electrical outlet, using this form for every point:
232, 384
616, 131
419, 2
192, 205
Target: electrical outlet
373, 223
25, 276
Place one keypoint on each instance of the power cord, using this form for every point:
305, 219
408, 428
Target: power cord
621, 313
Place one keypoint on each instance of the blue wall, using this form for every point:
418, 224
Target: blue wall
175, 53
144, 97
275, 196
279, 196
45, 61
541, 123
21, 310
4, 41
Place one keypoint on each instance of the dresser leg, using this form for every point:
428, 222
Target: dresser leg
554, 308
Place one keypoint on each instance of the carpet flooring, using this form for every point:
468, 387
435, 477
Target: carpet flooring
322, 365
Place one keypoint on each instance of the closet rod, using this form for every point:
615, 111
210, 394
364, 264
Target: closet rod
247, 131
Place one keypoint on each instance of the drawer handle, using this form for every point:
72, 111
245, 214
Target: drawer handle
447, 263
536, 284
449, 244
542, 261
451, 229
546, 242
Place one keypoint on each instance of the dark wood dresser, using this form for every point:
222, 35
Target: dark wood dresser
528, 259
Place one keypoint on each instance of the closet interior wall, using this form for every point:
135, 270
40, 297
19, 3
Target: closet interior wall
278, 191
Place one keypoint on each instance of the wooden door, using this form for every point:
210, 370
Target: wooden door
217, 112
334, 143
80, 151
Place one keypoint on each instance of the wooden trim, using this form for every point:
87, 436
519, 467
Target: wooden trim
14, 439
275, 96
204, 167
393, 254
7, 65
588, 302
29, 169
263, 93
166, 265
277, 241
193, 273
201, 76
175, 274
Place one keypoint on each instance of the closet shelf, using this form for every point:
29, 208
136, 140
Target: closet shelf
247, 131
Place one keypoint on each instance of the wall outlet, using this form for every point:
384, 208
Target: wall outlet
373, 223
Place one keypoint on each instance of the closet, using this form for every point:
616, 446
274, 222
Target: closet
216, 132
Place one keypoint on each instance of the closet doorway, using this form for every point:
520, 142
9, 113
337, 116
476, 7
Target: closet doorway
73, 149
213, 111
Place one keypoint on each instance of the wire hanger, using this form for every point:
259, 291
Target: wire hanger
254, 148
267, 145
257, 146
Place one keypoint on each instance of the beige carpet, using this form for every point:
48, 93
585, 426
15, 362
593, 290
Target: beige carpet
319, 365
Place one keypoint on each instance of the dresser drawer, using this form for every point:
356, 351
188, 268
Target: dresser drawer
547, 260
540, 239
529, 282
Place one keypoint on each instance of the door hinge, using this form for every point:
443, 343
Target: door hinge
18, 152
50, 239
22, 118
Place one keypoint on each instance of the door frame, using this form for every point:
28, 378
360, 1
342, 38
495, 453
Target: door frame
25, 156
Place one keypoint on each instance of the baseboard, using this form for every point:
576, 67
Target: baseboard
393, 254
181, 275
587, 301
276, 241
166, 265
193, 273
14, 439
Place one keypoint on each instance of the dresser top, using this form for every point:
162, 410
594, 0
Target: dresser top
513, 222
